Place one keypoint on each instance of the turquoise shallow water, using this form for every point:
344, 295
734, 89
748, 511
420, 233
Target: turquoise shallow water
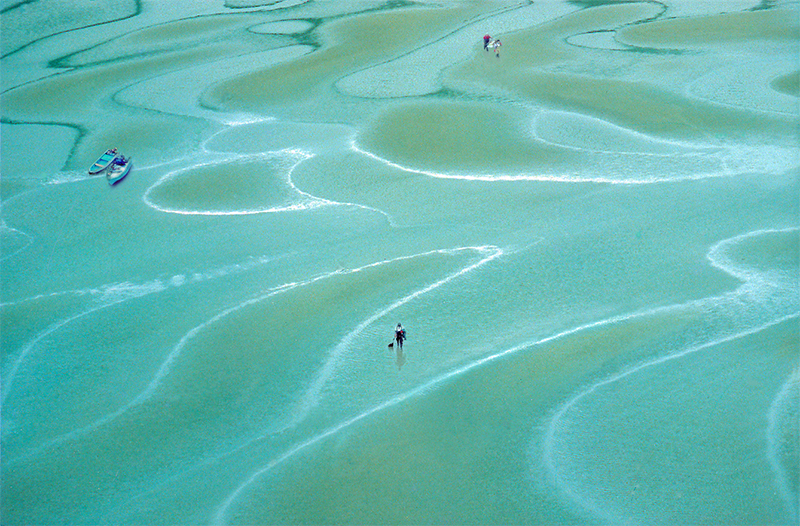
591, 239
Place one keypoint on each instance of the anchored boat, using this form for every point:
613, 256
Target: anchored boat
119, 169
102, 164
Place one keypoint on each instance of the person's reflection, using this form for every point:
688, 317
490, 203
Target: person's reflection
401, 357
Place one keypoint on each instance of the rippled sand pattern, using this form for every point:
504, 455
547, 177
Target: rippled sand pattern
591, 235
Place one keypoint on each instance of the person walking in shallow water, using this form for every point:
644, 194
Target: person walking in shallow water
486, 39
399, 335
496, 46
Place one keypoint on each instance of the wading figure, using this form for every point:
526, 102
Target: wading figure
399, 336
495, 44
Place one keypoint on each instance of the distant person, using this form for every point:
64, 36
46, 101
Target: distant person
399, 335
496, 46
486, 39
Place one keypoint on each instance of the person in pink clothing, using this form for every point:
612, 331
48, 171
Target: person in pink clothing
486, 39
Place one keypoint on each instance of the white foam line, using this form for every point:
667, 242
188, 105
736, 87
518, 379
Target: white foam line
691, 150
219, 517
163, 370
311, 397
563, 178
166, 366
4, 225
172, 356
108, 292
718, 258
691, 90
427, 386
313, 202
9, 380
111, 295
494, 253
234, 121
5, 228
783, 475
551, 429
40, 297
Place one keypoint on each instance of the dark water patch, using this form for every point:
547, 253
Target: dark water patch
447, 94
275, 4
157, 39
64, 62
588, 4
310, 36
645, 49
344, 48
655, 51
244, 4
787, 84
15, 6
623, 47
764, 5
307, 37
80, 134
617, 44
123, 12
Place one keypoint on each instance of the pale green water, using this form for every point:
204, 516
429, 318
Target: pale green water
591, 239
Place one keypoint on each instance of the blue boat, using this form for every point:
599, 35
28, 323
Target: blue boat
105, 160
119, 169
